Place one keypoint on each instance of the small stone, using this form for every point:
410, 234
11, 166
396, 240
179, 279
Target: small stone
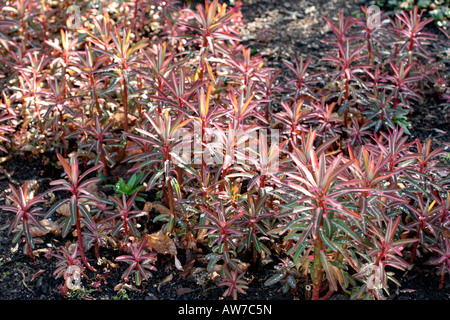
266, 260
310, 10
151, 296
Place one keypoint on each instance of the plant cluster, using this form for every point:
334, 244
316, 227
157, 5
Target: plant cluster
316, 169
437, 9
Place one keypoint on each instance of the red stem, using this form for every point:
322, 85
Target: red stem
80, 242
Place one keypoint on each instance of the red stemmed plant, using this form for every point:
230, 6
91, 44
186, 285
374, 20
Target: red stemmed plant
140, 262
78, 194
341, 195
27, 212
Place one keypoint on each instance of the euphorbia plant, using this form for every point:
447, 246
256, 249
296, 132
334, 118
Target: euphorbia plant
442, 261
98, 141
139, 260
125, 214
319, 186
413, 35
27, 214
223, 230
87, 65
78, 194
125, 56
385, 251
162, 134
207, 29
303, 81
346, 196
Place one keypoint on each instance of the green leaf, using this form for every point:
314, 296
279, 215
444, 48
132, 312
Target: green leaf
176, 187
137, 278
28, 236
327, 241
55, 207
132, 228
117, 228
345, 228
330, 274
68, 223
256, 242
73, 207
298, 250
213, 259
274, 279
85, 213
291, 281
132, 181
154, 179
161, 217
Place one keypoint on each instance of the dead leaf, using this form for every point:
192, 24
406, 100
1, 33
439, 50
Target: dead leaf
243, 266
187, 269
178, 264
148, 206
161, 209
71, 247
166, 280
401, 185
181, 291
215, 276
112, 242
51, 226
40, 251
446, 233
188, 242
92, 188
120, 117
161, 243
407, 234
128, 286
33, 185
109, 263
5, 159
118, 287
37, 274
64, 210
132, 149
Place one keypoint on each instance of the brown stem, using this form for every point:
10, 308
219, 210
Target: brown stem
165, 195
180, 175
125, 224
317, 269
97, 103
203, 156
413, 252
125, 104
97, 253
104, 161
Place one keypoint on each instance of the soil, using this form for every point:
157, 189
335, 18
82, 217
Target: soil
277, 30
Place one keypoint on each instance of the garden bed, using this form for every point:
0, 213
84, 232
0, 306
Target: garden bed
276, 30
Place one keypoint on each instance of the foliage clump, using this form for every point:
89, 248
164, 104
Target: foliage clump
317, 170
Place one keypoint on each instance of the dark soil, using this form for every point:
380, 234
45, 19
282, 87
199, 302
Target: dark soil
277, 30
